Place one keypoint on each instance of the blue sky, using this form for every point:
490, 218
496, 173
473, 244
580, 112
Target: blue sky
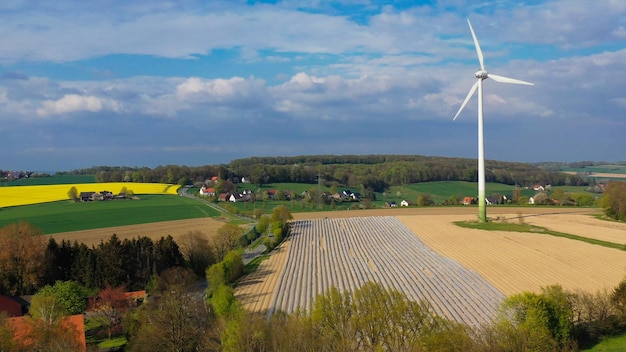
204, 82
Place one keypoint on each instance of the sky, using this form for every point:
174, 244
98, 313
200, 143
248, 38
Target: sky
148, 83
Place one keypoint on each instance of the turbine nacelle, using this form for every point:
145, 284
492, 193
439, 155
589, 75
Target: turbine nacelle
482, 74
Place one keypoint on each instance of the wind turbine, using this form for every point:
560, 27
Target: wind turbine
482, 75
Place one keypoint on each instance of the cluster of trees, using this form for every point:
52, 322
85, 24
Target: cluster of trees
28, 261
373, 172
373, 318
174, 174
130, 262
613, 200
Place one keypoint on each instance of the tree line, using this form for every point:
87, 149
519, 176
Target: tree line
375, 172
374, 318
30, 261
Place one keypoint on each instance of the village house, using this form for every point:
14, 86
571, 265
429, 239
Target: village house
13, 306
469, 200
207, 191
236, 197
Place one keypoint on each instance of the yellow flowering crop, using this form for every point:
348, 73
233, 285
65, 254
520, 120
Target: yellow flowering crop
23, 195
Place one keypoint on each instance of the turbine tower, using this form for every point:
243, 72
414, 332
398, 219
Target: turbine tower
480, 77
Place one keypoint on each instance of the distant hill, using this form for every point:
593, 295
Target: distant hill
364, 172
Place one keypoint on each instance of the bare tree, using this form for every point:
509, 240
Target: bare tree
197, 251
227, 238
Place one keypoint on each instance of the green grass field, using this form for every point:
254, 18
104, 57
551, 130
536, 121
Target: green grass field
442, 190
608, 169
52, 180
65, 216
610, 344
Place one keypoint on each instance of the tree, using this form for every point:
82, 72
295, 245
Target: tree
281, 214
109, 307
178, 321
583, 199
425, 199
69, 295
227, 238
21, 258
545, 319
197, 251
59, 336
263, 224
373, 318
47, 308
613, 200
223, 300
618, 298
73, 194
233, 266
7, 341
48, 327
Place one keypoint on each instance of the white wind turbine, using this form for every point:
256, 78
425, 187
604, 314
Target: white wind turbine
480, 77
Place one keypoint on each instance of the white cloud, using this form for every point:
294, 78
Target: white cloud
71, 103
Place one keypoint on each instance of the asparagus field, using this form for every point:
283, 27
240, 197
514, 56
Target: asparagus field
346, 253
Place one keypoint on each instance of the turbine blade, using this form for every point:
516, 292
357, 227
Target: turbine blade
478, 51
503, 79
467, 98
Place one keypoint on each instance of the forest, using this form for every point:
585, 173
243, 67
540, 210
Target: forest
373, 172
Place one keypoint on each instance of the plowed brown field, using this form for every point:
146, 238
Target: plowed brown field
515, 262
582, 225
256, 290
155, 231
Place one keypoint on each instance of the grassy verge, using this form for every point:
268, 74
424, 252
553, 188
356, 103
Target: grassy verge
114, 342
503, 226
100, 340
611, 344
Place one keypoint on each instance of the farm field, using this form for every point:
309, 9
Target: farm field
24, 195
516, 262
154, 230
346, 253
51, 180
582, 225
256, 290
512, 262
66, 216
442, 190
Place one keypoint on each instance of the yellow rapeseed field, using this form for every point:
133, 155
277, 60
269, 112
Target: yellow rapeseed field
23, 195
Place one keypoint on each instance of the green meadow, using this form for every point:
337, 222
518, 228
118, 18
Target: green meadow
65, 216
52, 180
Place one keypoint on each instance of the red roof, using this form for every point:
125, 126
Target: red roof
10, 306
75, 323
